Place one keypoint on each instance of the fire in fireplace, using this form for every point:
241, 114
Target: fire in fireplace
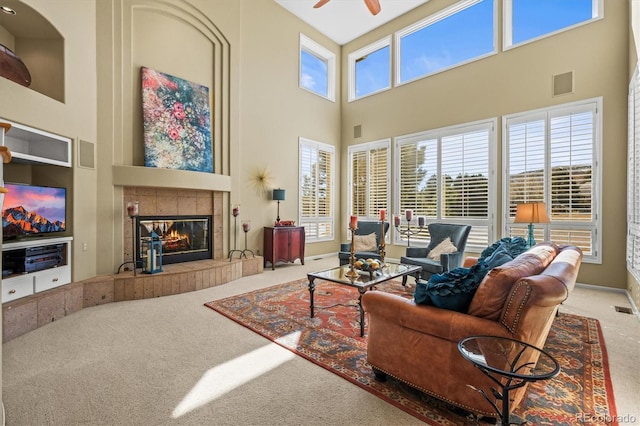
184, 238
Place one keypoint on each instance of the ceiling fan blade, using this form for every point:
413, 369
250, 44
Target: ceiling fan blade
320, 4
373, 6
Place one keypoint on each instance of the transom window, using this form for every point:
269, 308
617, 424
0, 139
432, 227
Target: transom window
369, 169
451, 37
528, 20
446, 175
370, 69
317, 189
551, 155
317, 69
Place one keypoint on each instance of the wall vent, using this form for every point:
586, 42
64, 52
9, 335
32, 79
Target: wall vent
563, 83
357, 131
86, 154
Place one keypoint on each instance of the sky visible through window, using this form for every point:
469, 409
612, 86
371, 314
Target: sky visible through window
461, 37
451, 40
313, 73
534, 18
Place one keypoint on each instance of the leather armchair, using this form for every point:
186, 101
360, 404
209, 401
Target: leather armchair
364, 228
419, 255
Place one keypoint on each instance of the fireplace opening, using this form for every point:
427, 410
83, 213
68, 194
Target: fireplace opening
184, 238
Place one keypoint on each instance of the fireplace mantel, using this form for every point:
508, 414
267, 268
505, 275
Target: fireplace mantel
167, 178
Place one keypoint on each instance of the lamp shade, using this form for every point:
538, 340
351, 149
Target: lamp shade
278, 195
531, 213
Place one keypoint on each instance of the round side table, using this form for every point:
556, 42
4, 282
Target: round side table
510, 364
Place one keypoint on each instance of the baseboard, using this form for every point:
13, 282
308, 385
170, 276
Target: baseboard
624, 291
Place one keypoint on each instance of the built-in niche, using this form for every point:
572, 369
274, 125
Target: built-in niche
38, 44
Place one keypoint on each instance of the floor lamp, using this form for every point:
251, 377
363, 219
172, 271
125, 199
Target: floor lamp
278, 195
531, 213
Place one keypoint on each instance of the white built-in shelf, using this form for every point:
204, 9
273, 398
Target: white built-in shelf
31, 145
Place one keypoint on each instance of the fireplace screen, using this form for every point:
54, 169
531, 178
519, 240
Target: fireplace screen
184, 238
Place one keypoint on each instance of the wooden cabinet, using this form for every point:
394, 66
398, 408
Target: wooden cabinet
56, 271
283, 244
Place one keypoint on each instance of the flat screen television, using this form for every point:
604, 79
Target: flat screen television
31, 210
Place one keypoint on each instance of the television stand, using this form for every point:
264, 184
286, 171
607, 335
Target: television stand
30, 266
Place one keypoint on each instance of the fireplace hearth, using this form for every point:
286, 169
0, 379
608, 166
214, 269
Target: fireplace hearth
184, 238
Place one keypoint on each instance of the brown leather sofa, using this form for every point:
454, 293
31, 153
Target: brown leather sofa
418, 344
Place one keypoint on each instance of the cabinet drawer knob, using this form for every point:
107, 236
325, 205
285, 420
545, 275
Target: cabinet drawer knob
55, 280
12, 291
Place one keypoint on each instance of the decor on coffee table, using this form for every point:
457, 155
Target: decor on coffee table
353, 225
332, 340
408, 213
177, 123
383, 218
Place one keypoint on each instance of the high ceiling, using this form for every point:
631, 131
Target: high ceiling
345, 20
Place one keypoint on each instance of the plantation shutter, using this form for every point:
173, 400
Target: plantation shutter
369, 179
633, 177
316, 163
551, 159
444, 175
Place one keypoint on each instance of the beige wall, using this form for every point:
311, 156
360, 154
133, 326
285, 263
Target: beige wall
74, 118
274, 113
509, 82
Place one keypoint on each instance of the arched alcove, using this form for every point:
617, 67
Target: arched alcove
38, 44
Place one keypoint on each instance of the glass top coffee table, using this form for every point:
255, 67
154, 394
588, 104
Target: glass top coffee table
362, 282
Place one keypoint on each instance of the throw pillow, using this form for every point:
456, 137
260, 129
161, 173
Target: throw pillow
445, 246
365, 242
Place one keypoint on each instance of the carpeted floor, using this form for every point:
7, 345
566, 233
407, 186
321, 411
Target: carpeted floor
331, 339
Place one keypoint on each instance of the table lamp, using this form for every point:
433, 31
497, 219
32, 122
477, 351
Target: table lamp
535, 212
278, 195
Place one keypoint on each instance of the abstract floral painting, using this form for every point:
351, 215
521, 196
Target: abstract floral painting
177, 123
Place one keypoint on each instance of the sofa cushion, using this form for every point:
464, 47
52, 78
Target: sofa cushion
445, 246
492, 293
365, 242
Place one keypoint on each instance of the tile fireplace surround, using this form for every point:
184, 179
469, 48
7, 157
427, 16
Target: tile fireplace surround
29, 313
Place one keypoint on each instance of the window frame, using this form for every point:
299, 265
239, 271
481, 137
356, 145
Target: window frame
633, 177
596, 173
322, 53
490, 125
432, 19
368, 147
597, 13
317, 146
354, 57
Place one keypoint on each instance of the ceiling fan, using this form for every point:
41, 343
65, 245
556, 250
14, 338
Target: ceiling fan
372, 5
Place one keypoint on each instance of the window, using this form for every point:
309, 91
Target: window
633, 177
317, 170
454, 36
528, 20
369, 167
447, 175
551, 155
370, 69
317, 69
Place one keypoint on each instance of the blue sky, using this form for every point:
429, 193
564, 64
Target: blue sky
452, 40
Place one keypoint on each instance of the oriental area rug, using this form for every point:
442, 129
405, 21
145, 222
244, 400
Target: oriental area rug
332, 340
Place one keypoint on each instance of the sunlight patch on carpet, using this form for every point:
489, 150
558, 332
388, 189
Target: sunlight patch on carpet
226, 377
